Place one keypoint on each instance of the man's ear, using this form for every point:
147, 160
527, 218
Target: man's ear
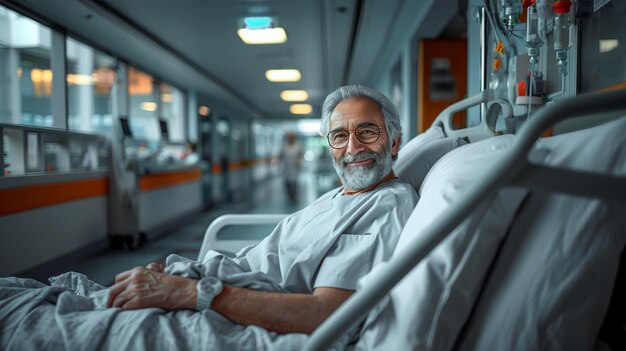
395, 145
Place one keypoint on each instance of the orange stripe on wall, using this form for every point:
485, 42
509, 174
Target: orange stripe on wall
31, 197
162, 180
613, 87
216, 169
234, 166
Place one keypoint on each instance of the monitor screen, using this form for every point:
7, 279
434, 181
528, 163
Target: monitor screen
125, 127
164, 132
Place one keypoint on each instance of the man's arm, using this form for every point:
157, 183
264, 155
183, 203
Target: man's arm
278, 312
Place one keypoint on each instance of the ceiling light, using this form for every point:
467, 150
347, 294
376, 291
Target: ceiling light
300, 109
261, 30
294, 95
282, 75
263, 36
608, 45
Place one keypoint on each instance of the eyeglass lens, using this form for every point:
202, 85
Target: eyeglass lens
366, 134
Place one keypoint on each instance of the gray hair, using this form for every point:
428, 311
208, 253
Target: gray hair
390, 113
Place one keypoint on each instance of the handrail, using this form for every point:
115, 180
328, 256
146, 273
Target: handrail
210, 236
487, 126
510, 170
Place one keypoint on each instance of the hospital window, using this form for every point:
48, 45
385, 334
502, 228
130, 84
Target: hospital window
90, 88
25, 71
143, 119
172, 111
603, 48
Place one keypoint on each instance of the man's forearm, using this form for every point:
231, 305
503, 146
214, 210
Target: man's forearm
279, 312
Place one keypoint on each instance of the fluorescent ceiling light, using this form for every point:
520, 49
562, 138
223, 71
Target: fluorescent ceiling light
149, 106
294, 95
608, 45
300, 109
282, 75
263, 36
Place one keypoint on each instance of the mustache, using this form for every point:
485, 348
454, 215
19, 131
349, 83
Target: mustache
365, 155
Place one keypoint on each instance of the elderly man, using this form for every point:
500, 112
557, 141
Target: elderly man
317, 254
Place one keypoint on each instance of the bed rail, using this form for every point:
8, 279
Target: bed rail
512, 170
210, 236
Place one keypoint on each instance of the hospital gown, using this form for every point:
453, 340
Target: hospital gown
334, 241
331, 243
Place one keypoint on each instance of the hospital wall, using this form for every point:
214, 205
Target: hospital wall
39, 222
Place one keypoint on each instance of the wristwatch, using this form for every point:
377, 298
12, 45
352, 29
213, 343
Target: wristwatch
207, 289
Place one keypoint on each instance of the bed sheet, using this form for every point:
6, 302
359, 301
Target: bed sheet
70, 314
551, 287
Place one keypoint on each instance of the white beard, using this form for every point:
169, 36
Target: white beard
361, 177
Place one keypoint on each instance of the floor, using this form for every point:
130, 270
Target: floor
267, 197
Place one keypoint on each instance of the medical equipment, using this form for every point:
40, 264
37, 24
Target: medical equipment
562, 27
511, 11
533, 35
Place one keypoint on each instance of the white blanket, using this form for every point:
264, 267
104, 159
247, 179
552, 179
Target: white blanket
71, 315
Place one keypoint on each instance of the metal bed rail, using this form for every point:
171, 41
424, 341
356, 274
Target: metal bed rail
514, 169
210, 236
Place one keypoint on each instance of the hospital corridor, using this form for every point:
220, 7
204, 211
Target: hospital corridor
358, 175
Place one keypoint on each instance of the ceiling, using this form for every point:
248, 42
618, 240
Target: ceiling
194, 44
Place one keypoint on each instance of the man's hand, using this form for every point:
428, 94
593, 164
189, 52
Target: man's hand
156, 267
142, 287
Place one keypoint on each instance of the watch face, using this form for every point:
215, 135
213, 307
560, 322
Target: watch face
210, 285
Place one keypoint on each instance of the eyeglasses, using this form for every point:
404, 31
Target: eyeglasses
367, 134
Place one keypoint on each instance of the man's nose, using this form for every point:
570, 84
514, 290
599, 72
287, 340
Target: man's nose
354, 144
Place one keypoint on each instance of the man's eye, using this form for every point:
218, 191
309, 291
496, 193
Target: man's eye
339, 136
368, 132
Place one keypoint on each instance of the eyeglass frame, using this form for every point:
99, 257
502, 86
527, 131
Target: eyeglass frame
380, 130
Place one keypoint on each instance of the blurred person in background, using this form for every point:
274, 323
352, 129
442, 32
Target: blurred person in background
292, 158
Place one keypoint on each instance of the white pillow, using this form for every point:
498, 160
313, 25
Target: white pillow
418, 156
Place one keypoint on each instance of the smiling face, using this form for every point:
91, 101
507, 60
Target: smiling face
361, 165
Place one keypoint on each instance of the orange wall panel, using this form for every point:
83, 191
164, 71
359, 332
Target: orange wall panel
454, 53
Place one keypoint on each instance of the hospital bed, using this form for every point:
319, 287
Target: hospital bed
499, 291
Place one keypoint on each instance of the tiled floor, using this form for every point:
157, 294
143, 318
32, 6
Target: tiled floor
267, 197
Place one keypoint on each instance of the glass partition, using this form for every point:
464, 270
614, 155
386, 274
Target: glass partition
172, 111
25, 70
143, 119
90, 79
